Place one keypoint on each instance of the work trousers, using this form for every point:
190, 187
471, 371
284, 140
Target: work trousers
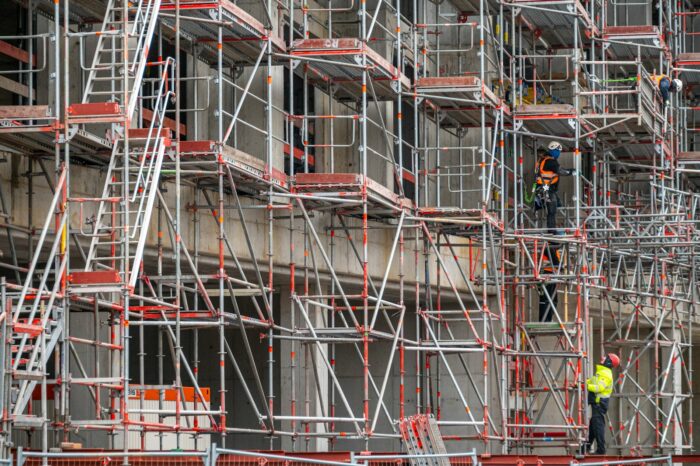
596, 428
664, 88
551, 204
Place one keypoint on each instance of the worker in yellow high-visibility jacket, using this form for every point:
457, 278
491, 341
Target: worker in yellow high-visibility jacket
666, 85
600, 387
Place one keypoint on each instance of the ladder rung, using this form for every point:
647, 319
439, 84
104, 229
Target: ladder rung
116, 50
106, 78
103, 92
109, 258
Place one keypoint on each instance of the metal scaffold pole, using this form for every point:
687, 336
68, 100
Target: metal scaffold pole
334, 225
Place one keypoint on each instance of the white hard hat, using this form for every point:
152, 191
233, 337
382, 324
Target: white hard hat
678, 84
554, 145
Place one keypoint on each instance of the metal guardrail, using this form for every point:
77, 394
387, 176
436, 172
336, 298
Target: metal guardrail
22, 455
210, 456
654, 459
215, 452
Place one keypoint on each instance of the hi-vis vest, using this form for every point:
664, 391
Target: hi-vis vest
545, 176
548, 267
601, 383
658, 77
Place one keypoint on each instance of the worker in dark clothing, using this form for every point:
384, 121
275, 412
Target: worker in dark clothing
667, 85
600, 388
547, 180
551, 257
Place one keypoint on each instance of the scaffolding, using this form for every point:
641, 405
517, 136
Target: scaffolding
328, 208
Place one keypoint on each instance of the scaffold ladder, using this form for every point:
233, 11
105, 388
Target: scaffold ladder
35, 324
421, 436
117, 49
120, 227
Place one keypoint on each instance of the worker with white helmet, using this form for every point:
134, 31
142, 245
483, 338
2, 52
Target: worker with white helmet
547, 181
667, 85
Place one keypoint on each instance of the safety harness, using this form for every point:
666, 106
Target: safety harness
546, 177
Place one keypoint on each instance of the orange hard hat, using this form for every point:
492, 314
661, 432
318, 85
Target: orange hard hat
614, 359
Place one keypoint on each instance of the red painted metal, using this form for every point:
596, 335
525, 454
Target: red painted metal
299, 154
94, 109
94, 277
96, 112
185, 5
631, 30
28, 329
197, 147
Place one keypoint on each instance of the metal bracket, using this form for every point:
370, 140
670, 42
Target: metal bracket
72, 131
395, 85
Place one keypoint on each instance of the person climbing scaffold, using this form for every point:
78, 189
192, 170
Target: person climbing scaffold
547, 184
666, 85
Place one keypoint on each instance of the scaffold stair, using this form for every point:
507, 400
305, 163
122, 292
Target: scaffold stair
120, 226
31, 340
121, 55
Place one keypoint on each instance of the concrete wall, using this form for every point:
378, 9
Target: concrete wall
312, 385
